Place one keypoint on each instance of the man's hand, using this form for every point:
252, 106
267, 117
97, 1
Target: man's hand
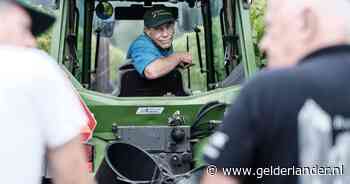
185, 59
163, 66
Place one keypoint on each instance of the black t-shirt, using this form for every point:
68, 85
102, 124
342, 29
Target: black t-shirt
261, 128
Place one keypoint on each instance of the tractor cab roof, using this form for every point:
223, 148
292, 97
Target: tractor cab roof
191, 3
156, 1
137, 11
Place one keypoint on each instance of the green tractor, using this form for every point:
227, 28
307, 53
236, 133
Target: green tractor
151, 138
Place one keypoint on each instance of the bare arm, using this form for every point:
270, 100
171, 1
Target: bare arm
68, 164
218, 179
162, 66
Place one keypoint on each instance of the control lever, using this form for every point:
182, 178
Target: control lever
197, 31
187, 65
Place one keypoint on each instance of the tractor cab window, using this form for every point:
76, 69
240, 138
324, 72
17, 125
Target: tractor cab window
219, 62
99, 34
190, 38
113, 35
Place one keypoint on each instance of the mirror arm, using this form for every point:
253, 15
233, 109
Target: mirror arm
98, 39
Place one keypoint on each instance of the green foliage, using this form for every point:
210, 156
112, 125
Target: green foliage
257, 19
44, 41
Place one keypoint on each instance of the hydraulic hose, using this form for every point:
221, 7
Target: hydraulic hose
204, 111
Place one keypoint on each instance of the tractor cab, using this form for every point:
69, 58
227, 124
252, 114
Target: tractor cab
99, 34
129, 83
153, 132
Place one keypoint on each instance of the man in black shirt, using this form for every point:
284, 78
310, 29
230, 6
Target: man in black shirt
294, 116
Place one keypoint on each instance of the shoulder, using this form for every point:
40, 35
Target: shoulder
17, 53
23, 55
274, 82
142, 41
273, 91
27, 61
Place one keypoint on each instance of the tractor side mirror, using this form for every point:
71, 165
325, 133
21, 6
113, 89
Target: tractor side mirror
247, 3
104, 10
104, 23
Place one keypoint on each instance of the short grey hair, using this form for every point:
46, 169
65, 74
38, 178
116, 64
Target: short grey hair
335, 10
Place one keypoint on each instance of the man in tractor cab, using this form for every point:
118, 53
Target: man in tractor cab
152, 53
289, 124
41, 113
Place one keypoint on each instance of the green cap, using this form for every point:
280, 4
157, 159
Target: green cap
40, 21
157, 16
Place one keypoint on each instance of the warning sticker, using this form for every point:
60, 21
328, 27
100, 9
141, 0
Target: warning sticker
149, 110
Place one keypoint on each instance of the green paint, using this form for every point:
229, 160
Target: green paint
109, 110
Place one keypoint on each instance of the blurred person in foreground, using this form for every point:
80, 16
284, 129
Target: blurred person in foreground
297, 114
41, 113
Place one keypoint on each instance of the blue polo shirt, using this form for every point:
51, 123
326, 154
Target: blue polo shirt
143, 51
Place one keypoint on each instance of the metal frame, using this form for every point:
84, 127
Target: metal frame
109, 110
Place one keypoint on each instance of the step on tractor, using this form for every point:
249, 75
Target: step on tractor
150, 133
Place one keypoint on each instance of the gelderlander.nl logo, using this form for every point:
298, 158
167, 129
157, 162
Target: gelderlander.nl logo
279, 171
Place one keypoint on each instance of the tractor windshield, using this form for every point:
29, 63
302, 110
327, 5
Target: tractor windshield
99, 34
113, 37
